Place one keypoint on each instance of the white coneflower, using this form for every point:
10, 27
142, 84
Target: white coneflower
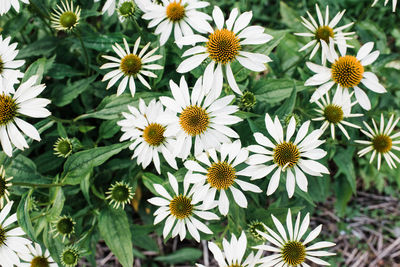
37, 258
146, 127
119, 194
65, 18
23, 103
294, 158
333, 113
130, 65
182, 209
202, 117
108, 7
324, 30
179, 16
5, 184
219, 176
12, 241
387, 1
381, 142
224, 45
233, 253
63, 226
346, 72
5, 5
9, 73
290, 251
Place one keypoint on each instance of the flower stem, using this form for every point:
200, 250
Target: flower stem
37, 185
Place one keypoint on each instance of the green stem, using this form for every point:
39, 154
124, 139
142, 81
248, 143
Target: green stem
137, 27
78, 34
60, 120
37, 185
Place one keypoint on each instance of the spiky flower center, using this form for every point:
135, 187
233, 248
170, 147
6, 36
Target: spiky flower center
8, 109
294, 253
131, 65
39, 261
70, 257
221, 175
194, 120
382, 143
247, 101
286, 154
235, 265
323, 33
223, 46
254, 226
333, 113
347, 71
65, 226
68, 19
175, 11
153, 134
2, 236
181, 207
127, 9
120, 193
63, 146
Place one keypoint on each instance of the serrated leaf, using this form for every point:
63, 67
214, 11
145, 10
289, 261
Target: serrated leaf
24, 220
65, 94
39, 67
114, 229
180, 256
276, 90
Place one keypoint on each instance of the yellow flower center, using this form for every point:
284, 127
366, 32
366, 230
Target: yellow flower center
223, 46
323, 33
235, 265
181, 207
131, 65
65, 226
127, 9
68, 19
382, 143
153, 134
194, 120
8, 109
286, 154
293, 253
175, 11
333, 113
347, 71
1, 65
221, 175
39, 261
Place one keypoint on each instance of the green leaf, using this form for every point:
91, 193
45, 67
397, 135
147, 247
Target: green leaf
101, 42
61, 71
344, 160
180, 256
108, 129
80, 164
149, 179
24, 220
276, 90
58, 199
112, 106
290, 17
42, 47
114, 229
288, 106
24, 170
39, 67
65, 94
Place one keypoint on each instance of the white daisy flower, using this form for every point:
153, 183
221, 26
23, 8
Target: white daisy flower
347, 72
23, 103
324, 30
147, 128
333, 113
108, 7
387, 1
203, 117
219, 174
9, 74
11, 240
37, 257
289, 250
177, 15
223, 46
130, 65
233, 253
65, 18
294, 158
5, 5
182, 209
5, 184
382, 142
